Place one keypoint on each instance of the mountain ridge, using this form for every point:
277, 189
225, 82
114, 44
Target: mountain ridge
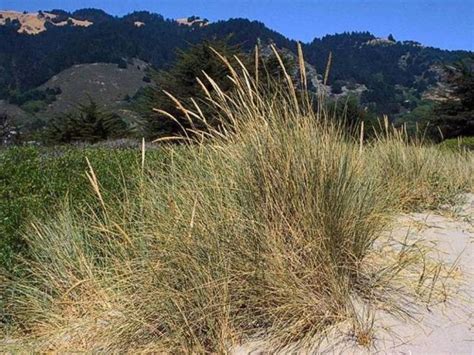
397, 74
33, 23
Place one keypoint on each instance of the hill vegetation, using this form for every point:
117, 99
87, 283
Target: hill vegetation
396, 74
108, 83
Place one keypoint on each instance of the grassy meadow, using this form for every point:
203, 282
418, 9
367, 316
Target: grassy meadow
262, 228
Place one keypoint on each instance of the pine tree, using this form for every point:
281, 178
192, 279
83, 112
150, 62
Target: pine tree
181, 81
88, 124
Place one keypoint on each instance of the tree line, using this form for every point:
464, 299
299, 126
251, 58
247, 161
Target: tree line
451, 117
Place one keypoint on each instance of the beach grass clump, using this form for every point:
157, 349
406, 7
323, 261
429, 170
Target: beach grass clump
258, 228
422, 175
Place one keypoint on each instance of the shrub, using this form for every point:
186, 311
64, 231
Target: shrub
5, 128
33, 107
122, 64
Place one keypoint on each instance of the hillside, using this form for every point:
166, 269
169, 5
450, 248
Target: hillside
390, 76
33, 23
108, 84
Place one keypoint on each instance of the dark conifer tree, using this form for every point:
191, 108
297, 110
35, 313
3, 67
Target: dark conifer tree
454, 117
180, 80
88, 124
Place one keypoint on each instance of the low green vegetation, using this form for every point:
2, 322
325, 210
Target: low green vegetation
263, 226
37, 181
33, 101
460, 143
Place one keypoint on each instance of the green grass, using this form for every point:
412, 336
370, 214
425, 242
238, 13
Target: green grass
35, 181
461, 143
264, 228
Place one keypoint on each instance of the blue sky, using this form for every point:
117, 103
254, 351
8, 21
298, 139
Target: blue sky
446, 24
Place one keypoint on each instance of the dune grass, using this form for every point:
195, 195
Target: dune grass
262, 228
